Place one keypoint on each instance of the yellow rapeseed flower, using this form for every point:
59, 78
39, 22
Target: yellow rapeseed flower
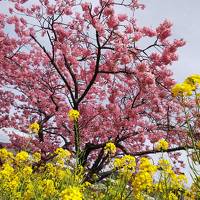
146, 165
172, 196
36, 157
50, 169
73, 115
125, 165
27, 171
162, 145
63, 153
6, 155
142, 181
14, 183
193, 80
164, 164
6, 172
110, 148
61, 174
48, 188
34, 127
71, 193
184, 89
22, 156
29, 192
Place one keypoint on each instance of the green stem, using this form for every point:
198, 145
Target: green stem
77, 138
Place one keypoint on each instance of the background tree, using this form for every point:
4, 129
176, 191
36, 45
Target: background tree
92, 57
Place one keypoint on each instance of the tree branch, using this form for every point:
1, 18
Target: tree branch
56, 67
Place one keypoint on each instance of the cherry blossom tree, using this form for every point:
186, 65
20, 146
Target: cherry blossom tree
94, 58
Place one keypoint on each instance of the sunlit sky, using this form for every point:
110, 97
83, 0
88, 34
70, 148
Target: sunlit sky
185, 15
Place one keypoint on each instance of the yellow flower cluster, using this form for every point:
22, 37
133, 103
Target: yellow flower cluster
168, 187
182, 89
146, 165
11, 172
22, 156
36, 157
49, 189
62, 156
169, 181
126, 165
62, 153
187, 87
34, 127
71, 193
110, 148
164, 165
19, 180
143, 179
73, 115
162, 145
6, 155
193, 80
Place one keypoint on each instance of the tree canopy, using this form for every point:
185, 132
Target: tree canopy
90, 57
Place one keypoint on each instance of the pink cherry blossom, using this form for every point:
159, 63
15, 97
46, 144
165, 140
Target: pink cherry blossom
88, 58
